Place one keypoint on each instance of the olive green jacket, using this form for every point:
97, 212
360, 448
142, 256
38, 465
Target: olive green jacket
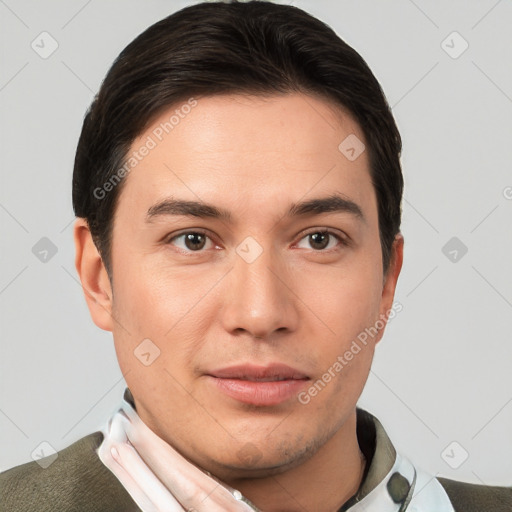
77, 480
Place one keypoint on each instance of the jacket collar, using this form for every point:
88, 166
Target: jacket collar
379, 452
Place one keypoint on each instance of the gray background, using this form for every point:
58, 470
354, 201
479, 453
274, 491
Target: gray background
443, 370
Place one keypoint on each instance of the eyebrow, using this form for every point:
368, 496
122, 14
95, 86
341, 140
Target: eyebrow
332, 204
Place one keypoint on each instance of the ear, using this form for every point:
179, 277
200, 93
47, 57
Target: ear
390, 280
93, 276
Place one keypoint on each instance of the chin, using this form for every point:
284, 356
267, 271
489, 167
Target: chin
259, 461
232, 470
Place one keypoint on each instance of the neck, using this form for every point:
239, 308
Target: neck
324, 482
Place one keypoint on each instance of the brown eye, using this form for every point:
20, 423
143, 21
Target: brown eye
195, 241
192, 241
321, 239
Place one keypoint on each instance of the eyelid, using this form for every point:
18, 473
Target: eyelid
342, 238
201, 231
167, 240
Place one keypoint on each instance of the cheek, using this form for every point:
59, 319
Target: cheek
343, 306
158, 298
174, 308
344, 299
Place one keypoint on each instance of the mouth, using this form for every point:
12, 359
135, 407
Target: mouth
259, 385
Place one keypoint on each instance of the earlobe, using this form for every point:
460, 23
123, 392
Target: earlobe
93, 276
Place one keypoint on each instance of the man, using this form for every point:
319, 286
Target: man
237, 187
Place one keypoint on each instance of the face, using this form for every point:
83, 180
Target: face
246, 262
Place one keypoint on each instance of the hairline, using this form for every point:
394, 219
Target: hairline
338, 109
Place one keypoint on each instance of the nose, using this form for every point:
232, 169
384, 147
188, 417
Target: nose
259, 298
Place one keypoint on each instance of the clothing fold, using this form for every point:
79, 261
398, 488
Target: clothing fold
163, 481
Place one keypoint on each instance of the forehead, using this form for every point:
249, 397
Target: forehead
240, 147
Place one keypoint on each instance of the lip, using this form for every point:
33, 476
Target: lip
259, 385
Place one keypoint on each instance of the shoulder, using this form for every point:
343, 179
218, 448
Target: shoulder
76, 480
467, 497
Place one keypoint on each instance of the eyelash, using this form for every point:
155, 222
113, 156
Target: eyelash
342, 241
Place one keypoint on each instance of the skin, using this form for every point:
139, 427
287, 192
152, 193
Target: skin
295, 304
